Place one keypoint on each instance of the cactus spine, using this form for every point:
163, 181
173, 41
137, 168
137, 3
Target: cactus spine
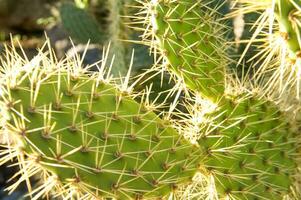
277, 42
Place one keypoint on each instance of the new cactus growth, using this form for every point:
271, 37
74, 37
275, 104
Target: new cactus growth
287, 13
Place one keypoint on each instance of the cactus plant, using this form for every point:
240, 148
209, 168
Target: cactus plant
237, 149
250, 149
88, 134
88, 137
189, 40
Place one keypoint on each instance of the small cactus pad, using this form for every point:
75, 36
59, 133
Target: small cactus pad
250, 149
93, 136
80, 24
190, 40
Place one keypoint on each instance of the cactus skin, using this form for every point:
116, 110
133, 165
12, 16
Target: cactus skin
90, 134
251, 149
189, 39
80, 24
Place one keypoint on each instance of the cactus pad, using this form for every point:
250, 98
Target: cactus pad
250, 149
92, 136
189, 39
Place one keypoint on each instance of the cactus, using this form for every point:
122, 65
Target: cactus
189, 40
118, 32
245, 138
90, 137
88, 134
287, 16
250, 149
81, 25
78, 129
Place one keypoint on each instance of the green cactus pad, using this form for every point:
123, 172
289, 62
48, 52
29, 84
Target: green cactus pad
191, 39
80, 24
250, 149
91, 135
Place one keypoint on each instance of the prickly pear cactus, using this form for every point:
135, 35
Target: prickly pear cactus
190, 41
250, 149
90, 136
